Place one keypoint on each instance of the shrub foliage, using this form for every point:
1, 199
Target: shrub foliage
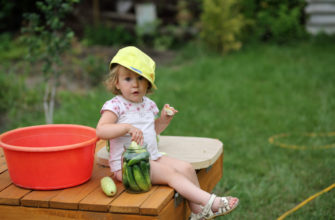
222, 24
276, 21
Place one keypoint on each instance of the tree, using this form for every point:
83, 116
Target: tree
48, 39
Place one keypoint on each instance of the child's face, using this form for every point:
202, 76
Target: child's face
132, 86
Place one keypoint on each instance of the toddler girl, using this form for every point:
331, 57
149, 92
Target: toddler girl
131, 116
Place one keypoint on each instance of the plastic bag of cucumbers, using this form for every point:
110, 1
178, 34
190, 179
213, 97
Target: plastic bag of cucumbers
136, 168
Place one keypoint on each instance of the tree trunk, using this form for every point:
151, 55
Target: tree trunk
49, 102
96, 12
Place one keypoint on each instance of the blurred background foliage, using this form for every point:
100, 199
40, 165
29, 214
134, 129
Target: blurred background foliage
237, 22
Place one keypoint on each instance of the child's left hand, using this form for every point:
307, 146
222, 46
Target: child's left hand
163, 121
169, 111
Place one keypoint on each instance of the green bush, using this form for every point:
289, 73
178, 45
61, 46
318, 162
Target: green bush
11, 49
158, 36
9, 91
94, 69
15, 96
276, 21
222, 24
103, 35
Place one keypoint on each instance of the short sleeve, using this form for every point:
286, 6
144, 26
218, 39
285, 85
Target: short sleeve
112, 105
153, 108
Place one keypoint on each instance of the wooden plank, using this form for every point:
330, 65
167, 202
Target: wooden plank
320, 8
29, 213
39, 198
172, 212
12, 195
129, 202
322, 20
3, 164
101, 153
208, 178
4, 180
157, 201
98, 201
3, 167
100, 144
69, 198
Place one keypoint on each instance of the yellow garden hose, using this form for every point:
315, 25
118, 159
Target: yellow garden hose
306, 201
274, 140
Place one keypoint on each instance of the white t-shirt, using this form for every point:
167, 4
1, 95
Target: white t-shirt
140, 115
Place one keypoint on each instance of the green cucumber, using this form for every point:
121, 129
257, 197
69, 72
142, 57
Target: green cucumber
145, 167
108, 186
133, 145
131, 180
140, 150
124, 175
127, 156
138, 158
139, 178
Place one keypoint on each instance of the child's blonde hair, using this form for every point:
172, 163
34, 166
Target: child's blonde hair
112, 79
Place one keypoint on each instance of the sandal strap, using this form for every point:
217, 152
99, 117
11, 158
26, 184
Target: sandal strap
193, 216
207, 209
225, 206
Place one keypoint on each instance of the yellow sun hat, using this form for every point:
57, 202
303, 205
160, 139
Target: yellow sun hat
137, 61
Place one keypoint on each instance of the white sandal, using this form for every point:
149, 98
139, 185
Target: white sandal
194, 216
207, 212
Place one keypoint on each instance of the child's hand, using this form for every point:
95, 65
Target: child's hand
169, 111
136, 134
163, 121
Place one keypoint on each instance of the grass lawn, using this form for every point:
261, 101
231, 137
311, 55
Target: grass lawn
243, 99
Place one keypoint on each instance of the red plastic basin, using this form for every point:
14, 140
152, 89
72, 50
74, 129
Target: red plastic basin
46, 157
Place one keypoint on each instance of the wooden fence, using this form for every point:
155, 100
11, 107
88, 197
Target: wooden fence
321, 16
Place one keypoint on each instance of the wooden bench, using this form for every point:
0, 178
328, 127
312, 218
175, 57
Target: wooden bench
87, 201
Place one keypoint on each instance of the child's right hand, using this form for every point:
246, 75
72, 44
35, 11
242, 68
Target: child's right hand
136, 134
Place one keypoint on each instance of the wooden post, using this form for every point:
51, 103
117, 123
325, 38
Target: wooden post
96, 12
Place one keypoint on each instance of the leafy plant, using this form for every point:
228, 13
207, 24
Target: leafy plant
277, 21
144, 35
8, 91
283, 24
222, 24
47, 40
10, 49
94, 69
155, 36
104, 35
16, 98
6, 10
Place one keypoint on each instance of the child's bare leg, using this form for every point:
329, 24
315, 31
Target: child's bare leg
182, 167
165, 174
185, 169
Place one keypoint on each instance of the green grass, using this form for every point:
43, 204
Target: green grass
243, 99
